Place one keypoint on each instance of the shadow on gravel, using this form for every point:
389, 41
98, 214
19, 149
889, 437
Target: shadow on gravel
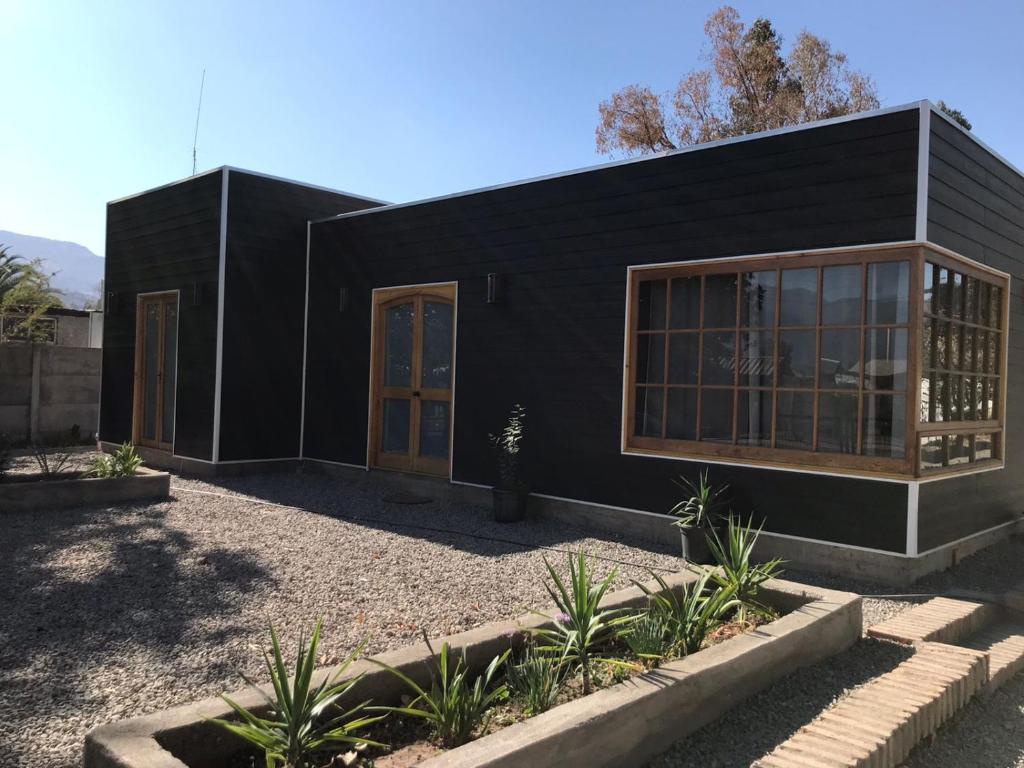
83, 590
466, 527
756, 726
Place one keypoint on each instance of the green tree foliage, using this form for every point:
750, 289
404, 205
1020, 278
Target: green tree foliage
959, 117
25, 296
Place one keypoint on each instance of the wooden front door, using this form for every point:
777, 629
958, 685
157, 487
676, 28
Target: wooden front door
413, 375
156, 357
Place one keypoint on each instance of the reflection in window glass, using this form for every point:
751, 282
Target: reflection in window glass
720, 301
719, 357
995, 307
685, 302
651, 301
650, 358
398, 346
839, 367
437, 346
958, 449
885, 358
683, 358
888, 296
956, 297
884, 425
434, 423
796, 358
799, 297
794, 421
757, 301
682, 414
841, 289
983, 447
930, 272
716, 415
396, 426
648, 413
837, 423
757, 361
754, 417
933, 451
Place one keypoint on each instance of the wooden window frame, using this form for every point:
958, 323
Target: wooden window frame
857, 464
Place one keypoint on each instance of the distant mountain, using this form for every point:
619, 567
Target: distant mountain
78, 270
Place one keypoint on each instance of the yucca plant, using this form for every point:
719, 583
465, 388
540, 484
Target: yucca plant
537, 678
302, 718
691, 615
581, 625
735, 569
649, 637
123, 463
703, 504
452, 707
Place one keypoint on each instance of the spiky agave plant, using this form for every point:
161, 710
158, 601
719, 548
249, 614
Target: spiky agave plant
453, 707
581, 624
537, 677
736, 570
301, 721
691, 615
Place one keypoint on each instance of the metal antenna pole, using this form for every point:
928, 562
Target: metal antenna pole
195, 138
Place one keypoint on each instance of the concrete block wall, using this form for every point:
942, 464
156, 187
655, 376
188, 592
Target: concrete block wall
46, 390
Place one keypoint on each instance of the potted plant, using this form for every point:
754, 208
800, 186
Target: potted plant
698, 515
510, 493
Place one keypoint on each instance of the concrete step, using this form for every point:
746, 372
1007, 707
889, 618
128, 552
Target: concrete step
878, 724
940, 620
1003, 641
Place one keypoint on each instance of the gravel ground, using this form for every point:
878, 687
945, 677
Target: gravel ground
111, 613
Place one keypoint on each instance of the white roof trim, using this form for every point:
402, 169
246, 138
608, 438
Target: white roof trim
916, 105
250, 173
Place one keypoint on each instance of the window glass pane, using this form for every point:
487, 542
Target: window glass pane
956, 296
888, 292
757, 303
794, 423
884, 425
941, 398
682, 414
959, 449
995, 349
967, 395
970, 299
757, 362
885, 358
754, 426
933, 451
434, 423
941, 344
982, 301
928, 344
683, 358
941, 297
651, 310
719, 357
685, 302
840, 358
995, 307
953, 392
993, 399
930, 276
927, 399
650, 357
437, 346
837, 423
396, 426
799, 302
716, 415
984, 405
720, 301
170, 363
151, 364
796, 358
954, 346
983, 447
841, 291
398, 346
980, 350
648, 412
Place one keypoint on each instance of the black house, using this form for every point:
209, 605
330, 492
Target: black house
822, 314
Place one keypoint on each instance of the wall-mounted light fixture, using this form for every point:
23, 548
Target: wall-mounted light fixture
343, 299
493, 288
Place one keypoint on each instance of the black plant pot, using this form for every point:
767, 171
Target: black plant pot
695, 548
509, 504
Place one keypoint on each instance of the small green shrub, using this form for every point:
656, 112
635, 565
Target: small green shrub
537, 678
508, 444
690, 616
51, 459
702, 507
299, 724
735, 569
452, 707
123, 463
650, 636
581, 624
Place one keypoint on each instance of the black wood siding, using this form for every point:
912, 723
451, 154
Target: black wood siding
562, 247
164, 240
265, 287
976, 208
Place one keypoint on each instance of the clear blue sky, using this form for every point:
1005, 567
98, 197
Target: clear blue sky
403, 100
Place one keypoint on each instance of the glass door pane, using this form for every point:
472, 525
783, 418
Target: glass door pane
398, 343
150, 369
169, 369
437, 346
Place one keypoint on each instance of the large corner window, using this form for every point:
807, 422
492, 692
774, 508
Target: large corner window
819, 360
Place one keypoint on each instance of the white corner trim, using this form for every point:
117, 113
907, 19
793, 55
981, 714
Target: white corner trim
923, 149
305, 353
912, 498
221, 271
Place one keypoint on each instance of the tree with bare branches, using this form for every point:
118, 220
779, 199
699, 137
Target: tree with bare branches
748, 86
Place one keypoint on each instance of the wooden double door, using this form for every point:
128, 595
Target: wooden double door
413, 375
156, 358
